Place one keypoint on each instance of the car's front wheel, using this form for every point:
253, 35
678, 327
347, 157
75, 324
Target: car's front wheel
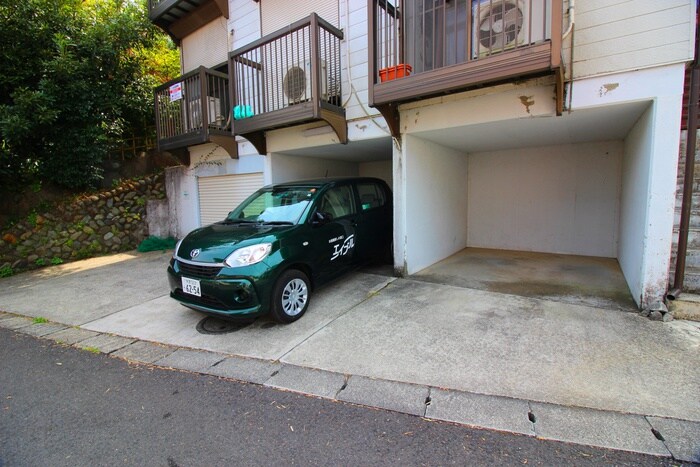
290, 297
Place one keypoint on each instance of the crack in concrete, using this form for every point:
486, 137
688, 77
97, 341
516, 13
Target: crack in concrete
531, 416
657, 434
343, 387
428, 401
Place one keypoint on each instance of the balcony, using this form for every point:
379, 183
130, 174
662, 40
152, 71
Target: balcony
287, 78
456, 45
182, 17
184, 119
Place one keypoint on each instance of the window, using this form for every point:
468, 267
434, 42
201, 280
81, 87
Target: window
338, 202
371, 195
285, 204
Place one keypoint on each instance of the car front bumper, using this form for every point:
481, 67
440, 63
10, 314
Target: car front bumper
237, 296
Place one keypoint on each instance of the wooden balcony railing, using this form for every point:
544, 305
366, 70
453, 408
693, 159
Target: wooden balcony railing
289, 77
420, 49
194, 109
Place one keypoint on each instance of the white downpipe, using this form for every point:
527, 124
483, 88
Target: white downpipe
571, 20
352, 87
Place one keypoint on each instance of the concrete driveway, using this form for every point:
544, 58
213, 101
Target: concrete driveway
401, 330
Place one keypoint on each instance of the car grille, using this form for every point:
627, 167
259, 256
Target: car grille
191, 270
204, 300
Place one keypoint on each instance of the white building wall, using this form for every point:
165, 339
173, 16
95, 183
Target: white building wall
532, 99
555, 199
626, 35
435, 204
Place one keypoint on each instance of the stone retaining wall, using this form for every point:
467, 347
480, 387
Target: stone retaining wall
90, 225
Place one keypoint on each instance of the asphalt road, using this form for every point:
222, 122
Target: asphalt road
63, 406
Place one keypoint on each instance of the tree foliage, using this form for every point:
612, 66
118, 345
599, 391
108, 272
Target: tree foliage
76, 76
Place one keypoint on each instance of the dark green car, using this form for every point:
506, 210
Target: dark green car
281, 243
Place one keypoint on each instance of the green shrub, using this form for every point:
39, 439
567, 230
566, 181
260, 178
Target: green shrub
154, 243
31, 218
6, 271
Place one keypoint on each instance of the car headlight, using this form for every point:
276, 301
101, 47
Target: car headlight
177, 247
248, 255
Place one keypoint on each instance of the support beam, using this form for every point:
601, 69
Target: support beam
227, 142
257, 139
390, 112
338, 123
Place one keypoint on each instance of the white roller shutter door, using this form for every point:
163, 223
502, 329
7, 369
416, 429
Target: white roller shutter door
220, 195
277, 14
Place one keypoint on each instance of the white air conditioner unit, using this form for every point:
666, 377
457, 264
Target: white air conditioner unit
215, 116
501, 25
296, 82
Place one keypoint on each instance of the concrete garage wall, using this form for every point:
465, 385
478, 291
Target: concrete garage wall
436, 198
555, 199
635, 183
649, 171
378, 169
648, 201
283, 168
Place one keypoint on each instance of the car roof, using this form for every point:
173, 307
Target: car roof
321, 182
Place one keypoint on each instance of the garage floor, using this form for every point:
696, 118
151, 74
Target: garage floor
581, 280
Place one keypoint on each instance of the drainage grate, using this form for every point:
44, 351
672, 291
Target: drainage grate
211, 325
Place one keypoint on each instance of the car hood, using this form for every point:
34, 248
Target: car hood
215, 242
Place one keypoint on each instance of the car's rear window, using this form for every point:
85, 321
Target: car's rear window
371, 195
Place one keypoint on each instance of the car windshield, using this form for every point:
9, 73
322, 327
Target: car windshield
275, 206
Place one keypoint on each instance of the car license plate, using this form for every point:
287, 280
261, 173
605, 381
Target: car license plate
191, 286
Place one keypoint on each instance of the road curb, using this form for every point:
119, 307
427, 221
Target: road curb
647, 434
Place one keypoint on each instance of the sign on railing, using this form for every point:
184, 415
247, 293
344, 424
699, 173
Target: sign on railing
198, 101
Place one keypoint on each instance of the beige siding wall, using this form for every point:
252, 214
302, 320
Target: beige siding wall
355, 50
244, 20
277, 14
622, 35
207, 46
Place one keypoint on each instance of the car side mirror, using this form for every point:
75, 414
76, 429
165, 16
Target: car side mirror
320, 218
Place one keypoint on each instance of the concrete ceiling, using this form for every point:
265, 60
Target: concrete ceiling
375, 149
599, 124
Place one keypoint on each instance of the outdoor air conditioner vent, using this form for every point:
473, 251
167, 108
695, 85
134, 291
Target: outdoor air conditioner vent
501, 25
215, 115
296, 82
